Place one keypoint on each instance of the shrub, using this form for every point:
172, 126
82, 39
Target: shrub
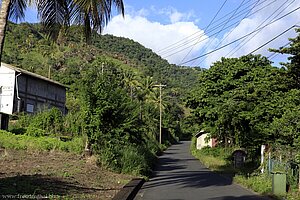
34, 131
130, 159
110, 157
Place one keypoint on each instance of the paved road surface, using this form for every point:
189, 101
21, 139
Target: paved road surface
180, 176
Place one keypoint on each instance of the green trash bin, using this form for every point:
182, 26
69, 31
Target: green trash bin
279, 183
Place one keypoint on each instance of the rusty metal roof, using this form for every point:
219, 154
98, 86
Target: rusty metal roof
23, 71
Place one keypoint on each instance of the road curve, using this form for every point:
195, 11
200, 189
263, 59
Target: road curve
180, 176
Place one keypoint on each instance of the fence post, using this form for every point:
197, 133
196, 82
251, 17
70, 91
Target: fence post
299, 177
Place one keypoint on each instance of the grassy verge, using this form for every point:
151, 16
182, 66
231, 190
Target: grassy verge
24, 142
218, 159
129, 159
261, 184
46, 167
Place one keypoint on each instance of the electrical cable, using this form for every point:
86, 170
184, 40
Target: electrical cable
272, 39
171, 54
246, 40
274, 54
205, 30
228, 20
230, 31
167, 47
242, 36
214, 33
183, 43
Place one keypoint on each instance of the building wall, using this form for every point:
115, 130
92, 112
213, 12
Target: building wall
201, 141
37, 94
7, 84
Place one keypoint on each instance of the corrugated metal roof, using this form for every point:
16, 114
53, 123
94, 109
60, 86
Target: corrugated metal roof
198, 134
23, 71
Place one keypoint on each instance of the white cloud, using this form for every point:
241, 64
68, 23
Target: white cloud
154, 35
250, 24
174, 15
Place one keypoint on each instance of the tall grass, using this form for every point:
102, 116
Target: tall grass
129, 159
25, 142
261, 184
217, 159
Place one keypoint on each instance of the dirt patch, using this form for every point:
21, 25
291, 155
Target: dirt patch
38, 175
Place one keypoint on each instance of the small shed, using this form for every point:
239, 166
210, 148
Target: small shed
24, 91
202, 141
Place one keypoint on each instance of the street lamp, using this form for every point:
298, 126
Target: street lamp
160, 110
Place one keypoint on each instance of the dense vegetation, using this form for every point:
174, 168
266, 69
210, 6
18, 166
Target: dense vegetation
246, 102
112, 100
113, 104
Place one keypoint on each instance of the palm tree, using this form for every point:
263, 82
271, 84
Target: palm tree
5, 5
56, 15
131, 82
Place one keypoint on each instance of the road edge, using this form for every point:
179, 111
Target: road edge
129, 191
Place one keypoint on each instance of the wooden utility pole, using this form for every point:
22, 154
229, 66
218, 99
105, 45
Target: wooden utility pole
160, 112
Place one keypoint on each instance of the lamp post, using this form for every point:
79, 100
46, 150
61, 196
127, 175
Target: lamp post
160, 111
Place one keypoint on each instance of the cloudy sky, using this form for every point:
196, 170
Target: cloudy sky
181, 31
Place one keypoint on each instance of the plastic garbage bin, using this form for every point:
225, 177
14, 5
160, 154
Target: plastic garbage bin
278, 183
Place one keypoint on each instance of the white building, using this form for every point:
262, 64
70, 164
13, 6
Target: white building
24, 91
204, 140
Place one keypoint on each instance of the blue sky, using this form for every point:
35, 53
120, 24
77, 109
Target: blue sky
178, 30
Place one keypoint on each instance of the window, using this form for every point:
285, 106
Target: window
29, 108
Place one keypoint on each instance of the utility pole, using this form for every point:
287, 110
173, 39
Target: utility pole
160, 112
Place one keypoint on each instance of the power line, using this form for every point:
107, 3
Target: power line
167, 47
214, 28
205, 29
194, 36
245, 41
274, 54
242, 36
273, 39
228, 20
232, 30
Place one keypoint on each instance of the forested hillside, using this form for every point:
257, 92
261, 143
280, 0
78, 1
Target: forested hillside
112, 99
26, 46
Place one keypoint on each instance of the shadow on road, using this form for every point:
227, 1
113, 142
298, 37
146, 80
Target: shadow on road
174, 168
196, 179
168, 164
251, 197
180, 176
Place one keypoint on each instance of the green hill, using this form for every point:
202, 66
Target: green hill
27, 46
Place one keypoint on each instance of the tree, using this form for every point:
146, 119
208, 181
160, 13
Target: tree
3, 20
293, 66
109, 113
57, 15
237, 99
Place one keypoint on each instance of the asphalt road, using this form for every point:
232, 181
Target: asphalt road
180, 176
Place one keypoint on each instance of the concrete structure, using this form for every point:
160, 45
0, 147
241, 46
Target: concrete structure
202, 141
24, 91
